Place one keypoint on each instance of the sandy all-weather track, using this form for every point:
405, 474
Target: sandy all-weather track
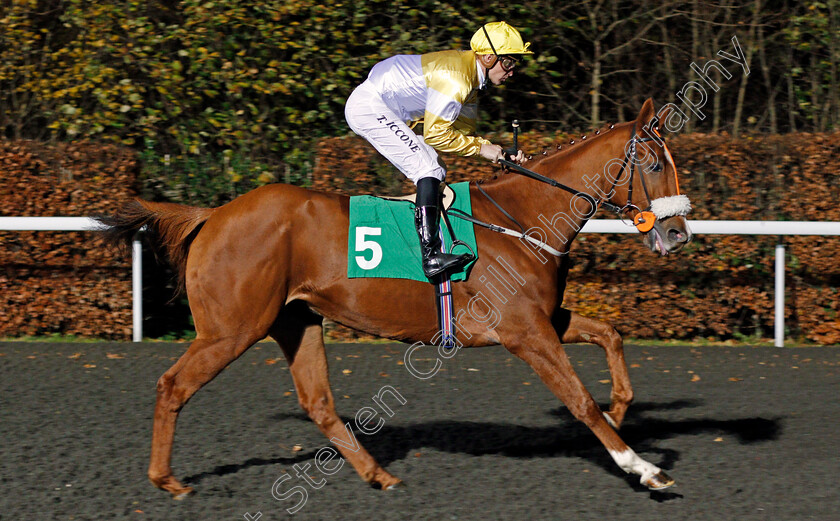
748, 433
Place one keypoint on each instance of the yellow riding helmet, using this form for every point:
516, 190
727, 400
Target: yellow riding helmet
504, 39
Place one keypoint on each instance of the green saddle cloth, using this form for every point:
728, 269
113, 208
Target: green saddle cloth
383, 243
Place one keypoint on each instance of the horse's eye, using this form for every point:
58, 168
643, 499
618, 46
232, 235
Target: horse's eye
657, 167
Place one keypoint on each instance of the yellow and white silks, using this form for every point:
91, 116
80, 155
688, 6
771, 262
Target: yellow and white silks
439, 89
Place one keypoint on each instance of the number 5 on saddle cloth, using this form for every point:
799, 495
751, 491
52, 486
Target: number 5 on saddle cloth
382, 243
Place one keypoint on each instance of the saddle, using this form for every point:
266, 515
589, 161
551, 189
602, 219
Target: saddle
382, 243
447, 198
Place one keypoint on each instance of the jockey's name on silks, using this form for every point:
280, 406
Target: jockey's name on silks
394, 127
382, 240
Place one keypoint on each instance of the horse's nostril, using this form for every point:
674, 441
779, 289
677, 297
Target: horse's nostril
678, 236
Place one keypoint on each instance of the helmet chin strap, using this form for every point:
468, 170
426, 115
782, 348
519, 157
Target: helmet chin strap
487, 81
495, 59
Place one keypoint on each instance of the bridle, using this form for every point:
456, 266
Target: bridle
643, 220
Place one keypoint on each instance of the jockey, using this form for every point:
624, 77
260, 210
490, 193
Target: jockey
439, 89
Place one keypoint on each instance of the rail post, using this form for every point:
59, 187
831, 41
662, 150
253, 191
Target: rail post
136, 291
779, 322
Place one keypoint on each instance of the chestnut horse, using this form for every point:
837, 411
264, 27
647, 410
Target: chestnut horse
273, 262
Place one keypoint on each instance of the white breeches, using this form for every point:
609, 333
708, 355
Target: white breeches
369, 116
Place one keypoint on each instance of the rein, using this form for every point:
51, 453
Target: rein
643, 220
510, 165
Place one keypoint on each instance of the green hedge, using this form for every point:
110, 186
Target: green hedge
222, 96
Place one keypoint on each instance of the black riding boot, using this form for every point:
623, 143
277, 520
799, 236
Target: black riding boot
426, 220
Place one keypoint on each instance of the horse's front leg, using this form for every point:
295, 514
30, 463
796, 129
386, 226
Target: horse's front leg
574, 328
539, 346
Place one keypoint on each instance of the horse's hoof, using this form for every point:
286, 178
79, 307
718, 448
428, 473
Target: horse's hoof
182, 494
398, 486
659, 481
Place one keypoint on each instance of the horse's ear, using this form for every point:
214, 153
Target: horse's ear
645, 114
662, 115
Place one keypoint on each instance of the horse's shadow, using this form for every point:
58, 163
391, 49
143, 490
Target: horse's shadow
569, 438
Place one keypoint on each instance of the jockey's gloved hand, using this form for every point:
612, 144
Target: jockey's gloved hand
519, 158
495, 152
491, 152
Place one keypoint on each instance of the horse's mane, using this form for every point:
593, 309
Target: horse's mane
561, 150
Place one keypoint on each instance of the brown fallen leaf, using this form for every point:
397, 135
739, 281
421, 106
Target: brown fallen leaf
89, 366
75, 356
733, 379
297, 448
695, 378
270, 361
347, 371
114, 356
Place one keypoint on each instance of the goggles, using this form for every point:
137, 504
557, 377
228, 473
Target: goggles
508, 63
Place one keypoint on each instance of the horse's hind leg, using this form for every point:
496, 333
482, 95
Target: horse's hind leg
204, 359
299, 333
573, 328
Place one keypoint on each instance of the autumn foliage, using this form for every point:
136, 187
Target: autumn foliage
219, 97
719, 286
63, 282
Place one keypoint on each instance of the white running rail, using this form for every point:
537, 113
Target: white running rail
85, 224
780, 228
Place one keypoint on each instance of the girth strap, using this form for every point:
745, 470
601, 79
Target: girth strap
506, 231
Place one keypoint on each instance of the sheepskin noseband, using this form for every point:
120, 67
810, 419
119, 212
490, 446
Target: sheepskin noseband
663, 207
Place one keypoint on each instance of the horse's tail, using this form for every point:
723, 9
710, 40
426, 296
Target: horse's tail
171, 227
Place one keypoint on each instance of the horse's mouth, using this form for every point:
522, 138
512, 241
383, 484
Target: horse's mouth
658, 243
671, 241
